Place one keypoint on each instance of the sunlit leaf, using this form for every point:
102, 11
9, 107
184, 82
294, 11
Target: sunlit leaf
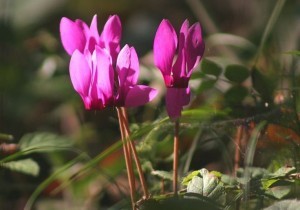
236, 73
206, 184
162, 174
43, 142
189, 177
26, 166
283, 171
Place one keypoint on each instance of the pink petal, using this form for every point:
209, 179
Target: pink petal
139, 95
176, 98
72, 36
104, 76
179, 68
111, 36
127, 67
80, 73
94, 28
165, 44
92, 35
194, 47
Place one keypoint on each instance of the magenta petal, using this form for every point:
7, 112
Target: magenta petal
194, 47
165, 44
111, 35
80, 73
179, 67
139, 95
72, 36
127, 67
94, 28
104, 76
176, 98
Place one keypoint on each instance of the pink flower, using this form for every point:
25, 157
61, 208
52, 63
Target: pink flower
92, 76
177, 72
77, 35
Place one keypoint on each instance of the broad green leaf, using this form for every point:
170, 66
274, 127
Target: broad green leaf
236, 73
283, 171
267, 183
189, 177
26, 166
210, 67
162, 174
206, 184
43, 142
236, 94
284, 205
279, 192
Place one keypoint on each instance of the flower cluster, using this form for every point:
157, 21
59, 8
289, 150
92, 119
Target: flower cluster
101, 73
105, 75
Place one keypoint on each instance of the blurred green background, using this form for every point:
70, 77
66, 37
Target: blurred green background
35, 90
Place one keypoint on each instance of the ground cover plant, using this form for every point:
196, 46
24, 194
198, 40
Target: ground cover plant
106, 106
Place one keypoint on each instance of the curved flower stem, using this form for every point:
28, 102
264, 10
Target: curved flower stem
175, 161
128, 160
134, 153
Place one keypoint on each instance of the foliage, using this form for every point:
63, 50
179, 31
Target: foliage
53, 153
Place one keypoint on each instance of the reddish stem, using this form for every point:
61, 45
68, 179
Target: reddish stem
135, 155
128, 161
175, 162
237, 156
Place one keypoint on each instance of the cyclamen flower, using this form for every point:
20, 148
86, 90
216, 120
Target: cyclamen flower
177, 72
76, 35
92, 76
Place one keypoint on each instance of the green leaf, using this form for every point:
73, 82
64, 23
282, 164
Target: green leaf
189, 177
210, 67
162, 174
279, 192
263, 84
283, 171
285, 205
206, 184
43, 142
206, 84
26, 166
267, 183
236, 94
236, 73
